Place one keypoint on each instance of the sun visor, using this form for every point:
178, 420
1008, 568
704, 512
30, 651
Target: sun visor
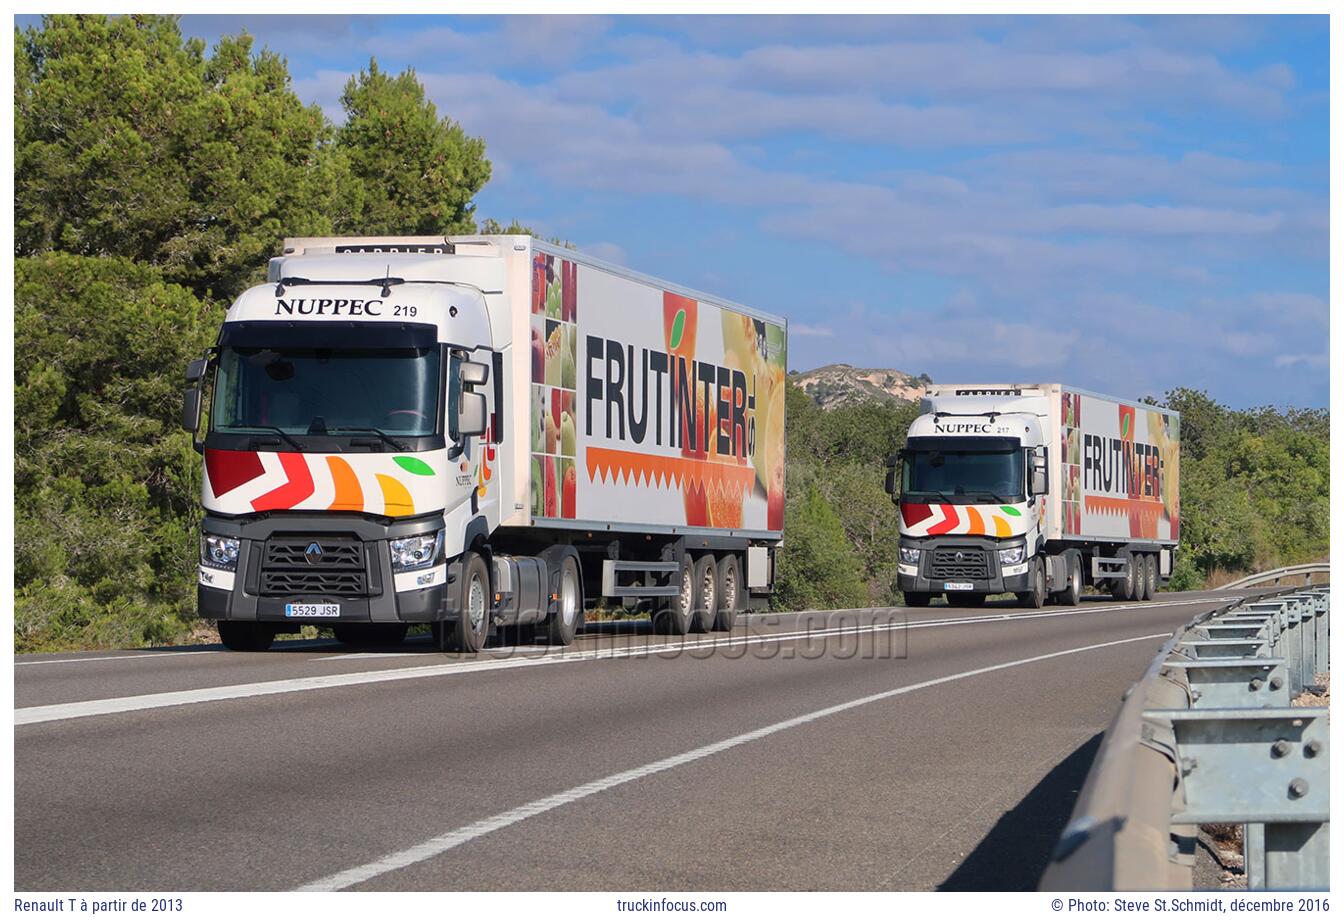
326, 334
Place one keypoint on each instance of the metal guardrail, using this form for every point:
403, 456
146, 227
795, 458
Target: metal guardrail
1209, 735
1274, 576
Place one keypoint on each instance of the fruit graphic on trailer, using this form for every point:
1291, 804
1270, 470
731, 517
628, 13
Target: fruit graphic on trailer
550, 509
538, 356
567, 434
553, 338
538, 487
567, 358
568, 488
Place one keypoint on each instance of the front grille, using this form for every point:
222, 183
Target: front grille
972, 564
287, 567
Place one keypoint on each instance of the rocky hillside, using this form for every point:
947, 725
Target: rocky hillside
841, 385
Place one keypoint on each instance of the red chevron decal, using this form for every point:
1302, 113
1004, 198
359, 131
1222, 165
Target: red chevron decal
950, 520
229, 469
297, 487
913, 513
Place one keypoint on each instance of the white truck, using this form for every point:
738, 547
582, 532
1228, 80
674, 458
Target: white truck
1038, 490
482, 433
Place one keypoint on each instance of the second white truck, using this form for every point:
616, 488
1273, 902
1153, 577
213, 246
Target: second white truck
1037, 490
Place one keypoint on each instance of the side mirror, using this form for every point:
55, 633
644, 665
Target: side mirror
1040, 479
893, 484
474, 373
471, 415
191, 399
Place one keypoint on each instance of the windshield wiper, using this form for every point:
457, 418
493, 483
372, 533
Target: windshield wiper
994, 495
280, 431
383, 435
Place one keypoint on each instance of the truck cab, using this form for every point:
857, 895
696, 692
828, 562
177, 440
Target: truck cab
346, 446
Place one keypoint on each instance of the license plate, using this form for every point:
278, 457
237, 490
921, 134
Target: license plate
312, 610
958, 586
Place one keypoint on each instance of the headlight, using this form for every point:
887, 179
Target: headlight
416, 552
1013, 555
910, 555
219, 552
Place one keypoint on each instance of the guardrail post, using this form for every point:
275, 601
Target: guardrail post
1265, 768
1323, 633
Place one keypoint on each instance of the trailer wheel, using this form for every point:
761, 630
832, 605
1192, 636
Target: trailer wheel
705, 601
564, 623
1152, 576
370, 633
241, 636
917, 598
729, 592
1122, 588
675, 618
1073, 586
467, 633
1034, 597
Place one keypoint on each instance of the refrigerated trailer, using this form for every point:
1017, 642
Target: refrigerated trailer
1038, 490
483, 434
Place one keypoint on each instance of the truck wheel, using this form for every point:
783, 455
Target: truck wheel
240, 636
917, 598
729, 592
370, 633
467, 633
1034, 597
1152, 576
966, 599
1073, 583
706, 581
564, 623
675, 618
1122, 588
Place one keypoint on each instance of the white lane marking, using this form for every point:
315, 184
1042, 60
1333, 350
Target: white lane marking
94, 660
456, 838
32, 715
359, 656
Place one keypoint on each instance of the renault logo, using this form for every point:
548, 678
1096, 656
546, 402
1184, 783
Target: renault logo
961, 557
313, 553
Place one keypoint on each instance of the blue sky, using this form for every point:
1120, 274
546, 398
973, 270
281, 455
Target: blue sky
1123, 203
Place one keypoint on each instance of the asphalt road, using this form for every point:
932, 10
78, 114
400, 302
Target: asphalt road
871, 750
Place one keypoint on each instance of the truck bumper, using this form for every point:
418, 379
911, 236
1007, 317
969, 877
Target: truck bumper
978, 572
358, 577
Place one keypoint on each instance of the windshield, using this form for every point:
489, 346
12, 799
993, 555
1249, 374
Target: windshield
327, 390
967, 475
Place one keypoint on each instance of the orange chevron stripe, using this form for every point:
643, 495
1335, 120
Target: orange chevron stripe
1001, 527
975, 524
724, 479
349, 496
396, 500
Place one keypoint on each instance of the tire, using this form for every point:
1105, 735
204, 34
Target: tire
705, 579
1034, 597
564, 623
1122, 588
966, 599
675, 618
729, 592
917, 598
1073, 588
1152, 576
370, 633
467, 633
241, 636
